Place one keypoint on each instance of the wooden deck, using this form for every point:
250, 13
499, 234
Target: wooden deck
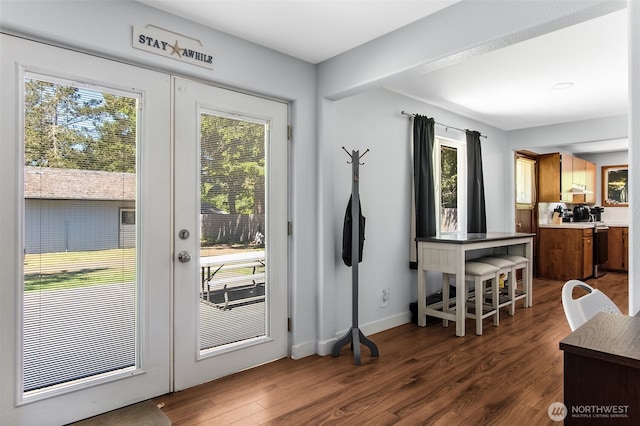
59, 348
65, 329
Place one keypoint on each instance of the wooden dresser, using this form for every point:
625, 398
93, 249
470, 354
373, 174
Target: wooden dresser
602, 371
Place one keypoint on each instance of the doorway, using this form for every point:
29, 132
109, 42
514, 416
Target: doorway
526, 172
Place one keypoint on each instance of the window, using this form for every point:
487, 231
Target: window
450, 181
127, 217
615, 186
525, 180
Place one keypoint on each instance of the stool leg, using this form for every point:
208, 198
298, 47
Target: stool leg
445, 297
512, 291
479, 296
495, 284
527, 286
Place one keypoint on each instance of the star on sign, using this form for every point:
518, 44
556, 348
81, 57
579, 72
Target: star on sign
176, 49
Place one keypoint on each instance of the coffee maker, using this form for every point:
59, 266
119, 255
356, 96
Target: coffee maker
581, 213
597, 213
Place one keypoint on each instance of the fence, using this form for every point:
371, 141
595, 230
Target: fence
232, 228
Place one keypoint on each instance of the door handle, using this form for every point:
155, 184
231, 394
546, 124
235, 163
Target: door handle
184, 256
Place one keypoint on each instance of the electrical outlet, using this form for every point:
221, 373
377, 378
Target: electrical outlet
384, 298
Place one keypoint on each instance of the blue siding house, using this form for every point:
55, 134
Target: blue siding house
78, 210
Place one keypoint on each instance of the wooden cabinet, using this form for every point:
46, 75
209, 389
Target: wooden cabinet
565, 253
549, 177
590, 176
559, 173
618, 248
587, 253
578, 178
578, 171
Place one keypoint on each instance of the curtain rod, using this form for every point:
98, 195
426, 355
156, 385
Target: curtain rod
440, 124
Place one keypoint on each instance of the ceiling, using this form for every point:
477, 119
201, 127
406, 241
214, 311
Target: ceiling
510, 88
311, 30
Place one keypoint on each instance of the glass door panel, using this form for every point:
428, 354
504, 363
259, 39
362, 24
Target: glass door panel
79, 299
232, 230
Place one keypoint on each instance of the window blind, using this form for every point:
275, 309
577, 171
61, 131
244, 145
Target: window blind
80, 259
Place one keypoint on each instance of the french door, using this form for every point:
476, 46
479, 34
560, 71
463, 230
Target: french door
84, 229
134, 263
230, 232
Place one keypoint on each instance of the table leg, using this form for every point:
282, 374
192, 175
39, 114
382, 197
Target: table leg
422, 297
529, 255
460, 294
460, 305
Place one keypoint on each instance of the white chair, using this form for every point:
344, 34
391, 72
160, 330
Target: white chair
480, 274
521, 263
580, 310
507, 295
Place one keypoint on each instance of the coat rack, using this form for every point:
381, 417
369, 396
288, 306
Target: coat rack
354, 335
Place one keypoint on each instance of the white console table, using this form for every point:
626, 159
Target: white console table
448, 253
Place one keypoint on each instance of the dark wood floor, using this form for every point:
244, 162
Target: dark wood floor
508, 376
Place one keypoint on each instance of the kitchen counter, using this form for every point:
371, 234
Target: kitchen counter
575, 225
566, 250
617, 224
581, 225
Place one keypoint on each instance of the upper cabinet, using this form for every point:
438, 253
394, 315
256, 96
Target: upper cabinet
565, 178
590, 174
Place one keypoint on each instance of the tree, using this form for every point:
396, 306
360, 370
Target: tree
232, 164
74, 128
449, 177
115, 148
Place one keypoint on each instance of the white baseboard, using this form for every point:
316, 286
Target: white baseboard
303, 350
326, 346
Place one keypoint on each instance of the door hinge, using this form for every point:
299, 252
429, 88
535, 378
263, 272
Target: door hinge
289, 133
289, 228
288, 324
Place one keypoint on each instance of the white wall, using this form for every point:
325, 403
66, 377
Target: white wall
546, 138
105, 28
634, 155
614, 215
372, 120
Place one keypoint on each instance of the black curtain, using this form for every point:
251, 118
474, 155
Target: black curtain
423, 181
476, 211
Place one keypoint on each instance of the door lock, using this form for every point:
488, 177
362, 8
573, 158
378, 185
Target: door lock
184, 256
183, 234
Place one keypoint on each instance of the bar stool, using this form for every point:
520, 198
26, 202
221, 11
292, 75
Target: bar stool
480, 274
506, 267
521, 263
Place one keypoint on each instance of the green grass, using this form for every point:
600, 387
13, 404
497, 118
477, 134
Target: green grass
63, 270
78, 269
